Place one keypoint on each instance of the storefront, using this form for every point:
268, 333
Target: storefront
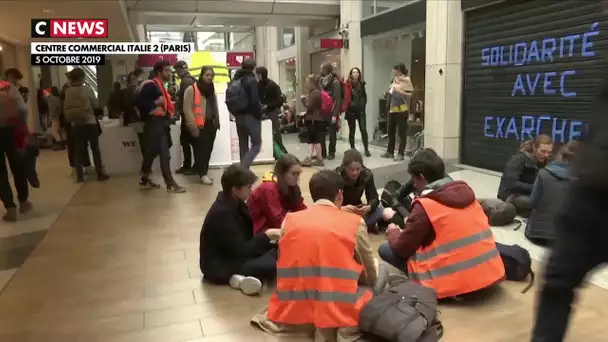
333, 56
288, 80
530, 68
389, 38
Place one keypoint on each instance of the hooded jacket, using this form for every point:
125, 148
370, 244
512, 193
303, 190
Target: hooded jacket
519, 175
354, 190
251, 88
548, 194
186, 81
270, 94
419, 231
354, 101
331, 84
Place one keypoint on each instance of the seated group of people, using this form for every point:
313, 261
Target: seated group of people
321, 256
535, 182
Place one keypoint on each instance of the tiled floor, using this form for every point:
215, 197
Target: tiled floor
121, 265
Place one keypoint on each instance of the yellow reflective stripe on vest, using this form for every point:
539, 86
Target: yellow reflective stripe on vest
451, 246
455, 268
322, 296
314, 271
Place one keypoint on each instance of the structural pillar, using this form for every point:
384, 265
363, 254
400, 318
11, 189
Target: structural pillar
302, 63
443, 85
350, 19
265, 49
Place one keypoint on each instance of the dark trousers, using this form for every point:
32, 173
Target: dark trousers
142, 143
263, 267
582, 237
204, 147
157, 144
277, 138
85, 136
17, 165
397, 122
522, 204
333, 138
387, 254
70, 142
188, 143
352, 119
248, 128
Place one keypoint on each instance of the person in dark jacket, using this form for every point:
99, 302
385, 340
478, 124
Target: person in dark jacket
548, 194
359, 180
520, 173
86, 160
582, 236
271, 98
273, 199
249, 122
355, 100
330, 82
115, 102
186, 140
229, 251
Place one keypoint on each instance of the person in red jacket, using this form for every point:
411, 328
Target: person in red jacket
355, 100
272, 200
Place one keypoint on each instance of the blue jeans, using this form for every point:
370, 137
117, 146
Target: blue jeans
248, 128
388, 255
374, 216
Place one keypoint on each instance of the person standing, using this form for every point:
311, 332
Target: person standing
271, 98
355, 100
400, 93
13, 116
331, 84
55, 113
243, 101
186, 140
316, 122
156, 109
79, 109
130, 114
202, 120
581, 234
86, 160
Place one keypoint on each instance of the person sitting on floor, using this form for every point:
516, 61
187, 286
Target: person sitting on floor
317, 275
229, 251
520, 173
358, 180
274, 198
431, 249
548, 194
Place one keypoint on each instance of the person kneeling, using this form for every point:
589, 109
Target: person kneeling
229, 252
317, 275
447, 243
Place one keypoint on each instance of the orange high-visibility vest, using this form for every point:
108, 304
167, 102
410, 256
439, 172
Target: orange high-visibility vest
463, 257
317, 274
197, 109
166, 108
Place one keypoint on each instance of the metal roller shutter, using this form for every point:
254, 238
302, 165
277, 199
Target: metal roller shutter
523, 77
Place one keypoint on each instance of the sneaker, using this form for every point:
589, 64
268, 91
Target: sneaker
387, 155
307, 162
25, 207
79, 179
367, 153
331, 156
89, 170
175, 188
206, 180
183, 170
11, 215
317, 162
148, 184
248, 285
398, 157
102, 177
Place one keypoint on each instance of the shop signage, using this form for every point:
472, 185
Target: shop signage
540, 54
148, 61
235, 59
331, 43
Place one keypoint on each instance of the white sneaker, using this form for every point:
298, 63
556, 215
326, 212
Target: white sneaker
89, 170
248, 285
206, 180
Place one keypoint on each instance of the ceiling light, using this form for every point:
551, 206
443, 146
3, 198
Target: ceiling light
47, 11
1, 47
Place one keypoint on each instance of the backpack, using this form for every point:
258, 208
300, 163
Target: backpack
518, 264
77, 105
236, 97
499, 212
327, 103
406, 312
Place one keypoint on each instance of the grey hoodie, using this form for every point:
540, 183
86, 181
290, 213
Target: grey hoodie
17, 99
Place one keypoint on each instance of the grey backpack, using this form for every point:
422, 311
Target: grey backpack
406, 312
499, 212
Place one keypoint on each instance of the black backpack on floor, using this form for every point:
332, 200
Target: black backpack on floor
518, 264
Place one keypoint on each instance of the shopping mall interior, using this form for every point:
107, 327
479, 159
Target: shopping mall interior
106, 261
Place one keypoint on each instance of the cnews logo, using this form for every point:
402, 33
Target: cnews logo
69, 28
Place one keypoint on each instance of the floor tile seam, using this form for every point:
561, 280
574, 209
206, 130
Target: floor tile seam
61, 211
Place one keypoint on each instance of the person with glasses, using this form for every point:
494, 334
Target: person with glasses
278, 195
